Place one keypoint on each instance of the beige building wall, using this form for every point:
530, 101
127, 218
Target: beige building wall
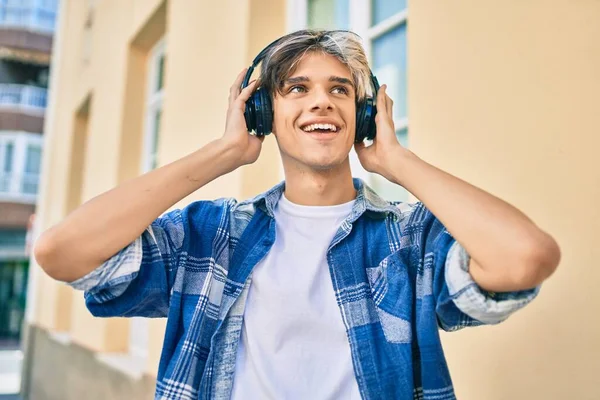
98, 123
505, 96
512, 113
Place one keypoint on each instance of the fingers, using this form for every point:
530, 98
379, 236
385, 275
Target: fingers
381, 95
390, 104
384, 102
246, 93
234, 90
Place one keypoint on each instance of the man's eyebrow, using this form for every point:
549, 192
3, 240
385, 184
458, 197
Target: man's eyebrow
296, 79
333, 78
339, 79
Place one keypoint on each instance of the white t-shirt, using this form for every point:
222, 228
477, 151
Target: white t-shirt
293, 343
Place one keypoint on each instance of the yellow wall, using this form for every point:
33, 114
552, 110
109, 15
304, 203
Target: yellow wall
97, 126
509, 110
505, 95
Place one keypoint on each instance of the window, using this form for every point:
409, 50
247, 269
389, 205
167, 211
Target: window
330, 14
154, 105
8, 156
383, 9
388, 55
32, 169
20, 162
6, 162
11, 238
389, 65
383, 26
139, 327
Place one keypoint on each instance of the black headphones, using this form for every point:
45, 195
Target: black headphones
259, 110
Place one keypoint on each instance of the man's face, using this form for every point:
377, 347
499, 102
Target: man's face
314, 116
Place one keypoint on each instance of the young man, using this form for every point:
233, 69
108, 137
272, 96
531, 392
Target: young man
317, 288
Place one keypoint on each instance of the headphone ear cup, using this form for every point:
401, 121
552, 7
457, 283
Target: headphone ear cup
360, 121
369, 119
261, 114
250, 113
266, 113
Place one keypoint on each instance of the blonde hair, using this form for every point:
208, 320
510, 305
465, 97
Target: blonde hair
282, 58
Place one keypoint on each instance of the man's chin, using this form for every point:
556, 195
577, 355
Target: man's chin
321, 167
323, 164
315, 162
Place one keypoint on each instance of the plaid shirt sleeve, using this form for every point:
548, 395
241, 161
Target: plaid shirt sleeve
137, 280
459, 301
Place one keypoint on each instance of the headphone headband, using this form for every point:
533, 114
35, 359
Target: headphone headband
256, 60
259, 112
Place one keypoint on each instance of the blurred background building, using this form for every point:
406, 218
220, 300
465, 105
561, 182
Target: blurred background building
26, 32
501, 94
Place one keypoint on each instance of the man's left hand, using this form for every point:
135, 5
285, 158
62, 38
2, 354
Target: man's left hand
385, 147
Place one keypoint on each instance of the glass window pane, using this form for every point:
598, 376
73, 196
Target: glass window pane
8, 156
389, 65
160, 72
12, 238
383, 9
386, 189
329, 14
34, 157
155, 136
29, 181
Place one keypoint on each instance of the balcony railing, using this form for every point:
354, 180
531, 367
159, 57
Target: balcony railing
35, 15
22, 96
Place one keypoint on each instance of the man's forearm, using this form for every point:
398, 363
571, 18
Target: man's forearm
508, 248
107, 223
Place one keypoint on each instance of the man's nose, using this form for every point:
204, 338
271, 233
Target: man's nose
321, 100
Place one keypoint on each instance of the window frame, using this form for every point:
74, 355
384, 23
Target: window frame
154, 104
362, 21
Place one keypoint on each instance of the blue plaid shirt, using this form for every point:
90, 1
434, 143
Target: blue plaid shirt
397, 273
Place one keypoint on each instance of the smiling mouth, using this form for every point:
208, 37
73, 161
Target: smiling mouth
320, 128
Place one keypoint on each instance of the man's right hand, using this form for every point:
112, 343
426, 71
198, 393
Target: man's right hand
237, 138
102, 226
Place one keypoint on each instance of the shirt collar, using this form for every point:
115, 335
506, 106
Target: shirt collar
366, 200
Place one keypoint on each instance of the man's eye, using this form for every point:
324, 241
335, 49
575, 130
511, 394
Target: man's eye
341, 90
297, 89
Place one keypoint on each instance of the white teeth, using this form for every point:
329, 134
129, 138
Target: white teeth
312, 127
